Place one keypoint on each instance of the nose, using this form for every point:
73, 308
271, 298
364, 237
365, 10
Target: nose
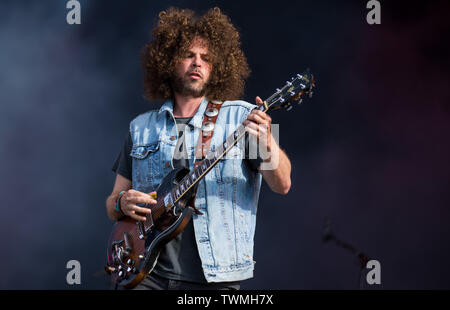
197, 61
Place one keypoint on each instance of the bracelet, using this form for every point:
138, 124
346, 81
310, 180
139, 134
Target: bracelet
117, 207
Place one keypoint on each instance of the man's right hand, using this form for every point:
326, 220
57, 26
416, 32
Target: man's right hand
128, 204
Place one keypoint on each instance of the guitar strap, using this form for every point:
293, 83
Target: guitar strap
204, 141
208, 124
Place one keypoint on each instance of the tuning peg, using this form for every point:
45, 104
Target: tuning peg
292, 93
302, 86
277, 90
288, 83
282, 100
299, 76
299, 101
289, 108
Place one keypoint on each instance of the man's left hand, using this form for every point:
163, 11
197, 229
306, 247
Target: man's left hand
258, 124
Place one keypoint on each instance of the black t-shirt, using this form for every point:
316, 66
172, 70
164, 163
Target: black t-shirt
179, 258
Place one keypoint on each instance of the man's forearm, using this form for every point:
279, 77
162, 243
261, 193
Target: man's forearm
110, 207
276, 171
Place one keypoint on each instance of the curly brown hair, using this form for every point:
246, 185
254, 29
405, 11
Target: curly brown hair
171, 38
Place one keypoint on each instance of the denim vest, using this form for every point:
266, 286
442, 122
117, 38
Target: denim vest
227, 196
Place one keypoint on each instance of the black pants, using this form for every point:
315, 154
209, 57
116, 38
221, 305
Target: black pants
155, 282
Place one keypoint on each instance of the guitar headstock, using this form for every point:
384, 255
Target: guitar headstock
292, 91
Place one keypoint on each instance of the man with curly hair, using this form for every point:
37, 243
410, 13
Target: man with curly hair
190, 61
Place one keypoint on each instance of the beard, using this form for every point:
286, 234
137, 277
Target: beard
186, 87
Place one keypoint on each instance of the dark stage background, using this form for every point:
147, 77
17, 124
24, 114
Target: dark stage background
370, 150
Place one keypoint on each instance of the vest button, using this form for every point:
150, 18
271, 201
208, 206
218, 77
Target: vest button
167, 164
172, 138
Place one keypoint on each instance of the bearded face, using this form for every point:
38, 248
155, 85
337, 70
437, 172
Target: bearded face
192, 73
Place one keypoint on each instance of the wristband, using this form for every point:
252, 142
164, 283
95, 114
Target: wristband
117, 207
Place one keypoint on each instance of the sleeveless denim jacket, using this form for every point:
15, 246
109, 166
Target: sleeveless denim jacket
227, 196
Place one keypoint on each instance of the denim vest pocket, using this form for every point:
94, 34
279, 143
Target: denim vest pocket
146, 165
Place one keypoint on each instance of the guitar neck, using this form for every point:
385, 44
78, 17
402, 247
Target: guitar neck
282, 98
211, 159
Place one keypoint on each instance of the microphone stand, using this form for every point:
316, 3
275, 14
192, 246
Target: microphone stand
328, 235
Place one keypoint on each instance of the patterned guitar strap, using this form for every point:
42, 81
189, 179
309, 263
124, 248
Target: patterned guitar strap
208, 124
204, 141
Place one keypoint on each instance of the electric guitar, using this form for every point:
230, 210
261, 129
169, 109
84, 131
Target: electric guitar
133, 247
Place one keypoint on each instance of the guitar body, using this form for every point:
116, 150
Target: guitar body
133, 249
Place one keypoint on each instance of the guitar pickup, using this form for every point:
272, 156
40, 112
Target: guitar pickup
168, 201
143, 229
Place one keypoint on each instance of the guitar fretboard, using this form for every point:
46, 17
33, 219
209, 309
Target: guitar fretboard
293, 89
211, 159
